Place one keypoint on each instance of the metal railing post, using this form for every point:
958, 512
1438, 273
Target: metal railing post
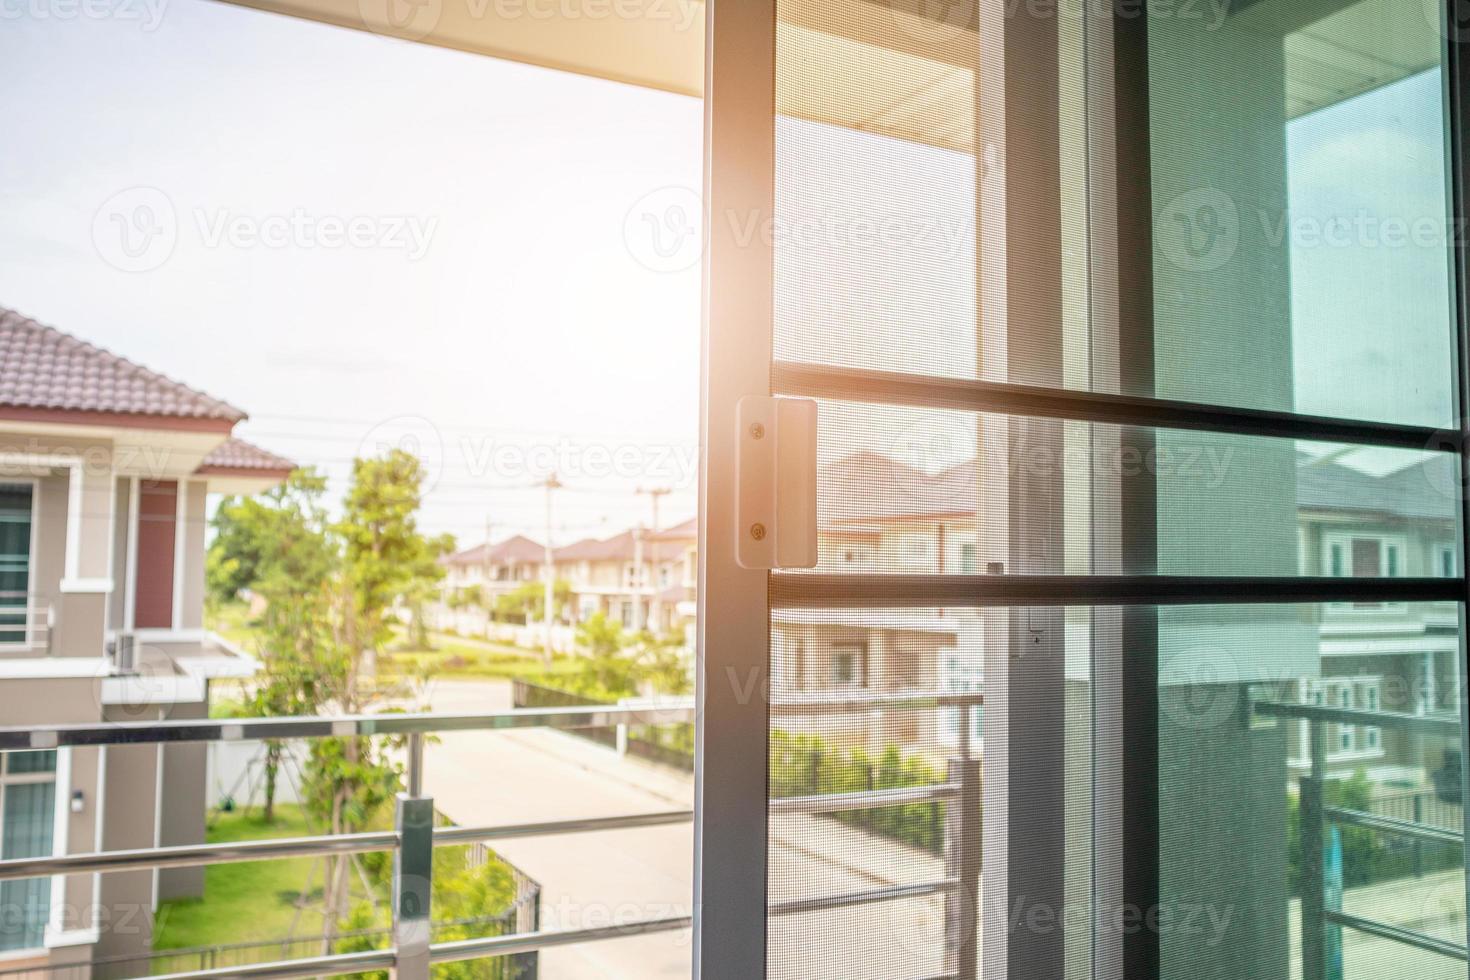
1418, 845
413, 871
962, 864
1311, 818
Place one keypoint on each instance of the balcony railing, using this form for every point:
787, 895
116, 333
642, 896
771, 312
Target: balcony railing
414, 835
1319, 912
26, 620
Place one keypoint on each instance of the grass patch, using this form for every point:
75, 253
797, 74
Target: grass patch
249, 902
450, 655
454, 656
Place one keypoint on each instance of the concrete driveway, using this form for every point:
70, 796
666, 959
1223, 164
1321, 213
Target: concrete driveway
620, 876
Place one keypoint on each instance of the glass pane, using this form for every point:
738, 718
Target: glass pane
1300, 211
905, 490
1235, 761
29, 813
831, 734
1301, 215
22, 762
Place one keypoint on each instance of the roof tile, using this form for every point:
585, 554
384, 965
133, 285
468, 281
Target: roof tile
43, 368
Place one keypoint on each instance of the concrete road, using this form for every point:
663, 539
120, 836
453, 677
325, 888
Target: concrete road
620, 876
586, 879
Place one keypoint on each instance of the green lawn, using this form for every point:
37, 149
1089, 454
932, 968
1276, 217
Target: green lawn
450, 656
252, 901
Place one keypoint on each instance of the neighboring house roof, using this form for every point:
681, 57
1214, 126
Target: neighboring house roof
514, 549
620, 547
869, 486
44, 372
236, 457
683, 531
1426, 489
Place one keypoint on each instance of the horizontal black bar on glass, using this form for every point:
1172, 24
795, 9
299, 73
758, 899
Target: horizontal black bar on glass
1036, 401
804, 590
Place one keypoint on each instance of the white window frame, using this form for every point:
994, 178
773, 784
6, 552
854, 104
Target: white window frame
29, 643
1354, 692
1344, 540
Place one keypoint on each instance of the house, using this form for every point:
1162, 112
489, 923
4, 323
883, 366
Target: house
105, 467
1367, 515
638, 579
484, 573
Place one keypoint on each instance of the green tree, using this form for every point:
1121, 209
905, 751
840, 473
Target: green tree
277, 545
526, 601
385, 556
604, 662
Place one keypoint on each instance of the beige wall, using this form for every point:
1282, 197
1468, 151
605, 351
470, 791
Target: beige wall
191, 613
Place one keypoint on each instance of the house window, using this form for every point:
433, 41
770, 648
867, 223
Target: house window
848, 667
967, 559
1444, 561
1365, 556
27, 817
16, 501
1352, 693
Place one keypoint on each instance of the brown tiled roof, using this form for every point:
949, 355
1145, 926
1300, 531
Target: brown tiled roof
683, 531
236, 455
622, 546
43, 368
514, 549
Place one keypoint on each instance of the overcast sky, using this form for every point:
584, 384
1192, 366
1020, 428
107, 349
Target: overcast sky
365, 243
486, 309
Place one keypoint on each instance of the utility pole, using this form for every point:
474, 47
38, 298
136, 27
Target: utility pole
487, 587
641, 579
548, 572
637, 583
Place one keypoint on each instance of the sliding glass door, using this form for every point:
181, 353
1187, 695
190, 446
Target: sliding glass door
1133, 337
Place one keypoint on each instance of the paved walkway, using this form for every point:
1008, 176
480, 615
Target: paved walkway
595, 879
